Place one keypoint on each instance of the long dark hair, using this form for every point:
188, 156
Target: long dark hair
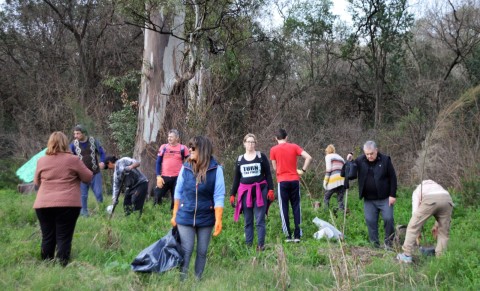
204, 150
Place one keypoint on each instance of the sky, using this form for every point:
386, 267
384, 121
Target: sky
340, 9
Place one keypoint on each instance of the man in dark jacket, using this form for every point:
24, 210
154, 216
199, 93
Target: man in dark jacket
377, 185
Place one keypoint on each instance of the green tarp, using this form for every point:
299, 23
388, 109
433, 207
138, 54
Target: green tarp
27, 171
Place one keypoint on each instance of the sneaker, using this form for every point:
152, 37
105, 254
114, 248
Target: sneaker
297, 240
289, 240
260, 248
403, 258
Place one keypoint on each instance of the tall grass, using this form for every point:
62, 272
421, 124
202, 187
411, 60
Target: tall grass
103, 250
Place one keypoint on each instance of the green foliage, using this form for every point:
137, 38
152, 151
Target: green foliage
310, 21
8, 178
126, 83
123, 124
471, 190
472, 64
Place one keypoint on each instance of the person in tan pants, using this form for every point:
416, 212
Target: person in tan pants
428, 199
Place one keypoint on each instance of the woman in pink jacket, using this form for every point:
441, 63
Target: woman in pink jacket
58, 201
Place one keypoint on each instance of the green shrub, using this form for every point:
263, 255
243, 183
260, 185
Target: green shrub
471, 191
8, 178
123, 122
124, 126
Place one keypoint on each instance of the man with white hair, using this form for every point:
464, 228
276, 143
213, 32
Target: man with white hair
377, 185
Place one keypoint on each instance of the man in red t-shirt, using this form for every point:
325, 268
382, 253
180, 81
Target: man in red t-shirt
284, 162
169, 162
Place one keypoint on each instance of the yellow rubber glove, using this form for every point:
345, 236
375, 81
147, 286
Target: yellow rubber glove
176, 204
218, 221
160, 182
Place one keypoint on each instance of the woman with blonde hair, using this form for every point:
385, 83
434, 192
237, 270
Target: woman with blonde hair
198, 205
333, 181
254, 185
58, 203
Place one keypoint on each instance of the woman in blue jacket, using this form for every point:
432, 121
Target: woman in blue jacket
198, 206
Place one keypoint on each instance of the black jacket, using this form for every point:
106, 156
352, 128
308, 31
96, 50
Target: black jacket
383, 172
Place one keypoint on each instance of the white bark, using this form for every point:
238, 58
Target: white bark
161, 60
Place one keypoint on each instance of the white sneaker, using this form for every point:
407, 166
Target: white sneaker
289, 240
297, 240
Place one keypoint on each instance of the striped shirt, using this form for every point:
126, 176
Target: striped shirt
334, 164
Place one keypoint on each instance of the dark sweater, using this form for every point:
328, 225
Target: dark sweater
384, 177
249, 172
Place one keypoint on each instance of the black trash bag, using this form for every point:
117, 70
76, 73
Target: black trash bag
161, 256
349, 172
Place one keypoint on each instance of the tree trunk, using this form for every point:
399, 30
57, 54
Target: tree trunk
161, 60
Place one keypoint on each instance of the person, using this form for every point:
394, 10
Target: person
198, 205
377, 186
284, 162
128, 175
254, 185
169, 161
88, 149
333, 181
57, 205
428, 199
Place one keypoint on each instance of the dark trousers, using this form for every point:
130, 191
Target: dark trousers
372, 209
340, 190
135, 198
169, 185
289, 192
258, 213
57, 225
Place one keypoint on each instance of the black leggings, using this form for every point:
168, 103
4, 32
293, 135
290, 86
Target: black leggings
57, 225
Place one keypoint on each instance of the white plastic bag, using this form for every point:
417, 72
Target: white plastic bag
109, 209
326, 230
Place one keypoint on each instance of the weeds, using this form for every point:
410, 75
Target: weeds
103, 250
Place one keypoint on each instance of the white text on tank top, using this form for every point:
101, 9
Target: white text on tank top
251, 170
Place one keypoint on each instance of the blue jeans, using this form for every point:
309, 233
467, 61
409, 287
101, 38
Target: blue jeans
372, 208
187, 239
96, 185
259, 213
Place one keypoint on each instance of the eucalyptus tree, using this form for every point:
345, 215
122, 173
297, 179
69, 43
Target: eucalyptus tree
181, 40
382, 28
